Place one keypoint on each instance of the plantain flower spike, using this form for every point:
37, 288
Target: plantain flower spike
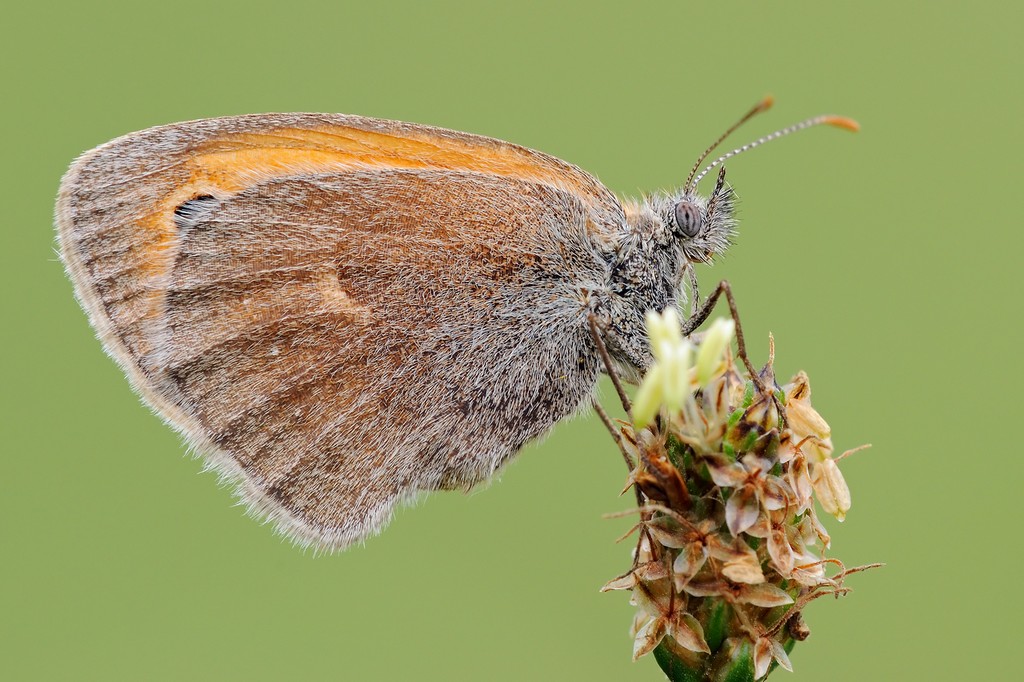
730, 547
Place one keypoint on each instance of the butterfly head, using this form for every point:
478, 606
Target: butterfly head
666, 235
700, 227
704, 227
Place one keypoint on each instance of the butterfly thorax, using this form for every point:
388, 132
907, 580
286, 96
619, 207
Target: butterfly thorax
652, 263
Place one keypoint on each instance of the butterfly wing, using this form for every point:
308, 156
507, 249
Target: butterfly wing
340, 311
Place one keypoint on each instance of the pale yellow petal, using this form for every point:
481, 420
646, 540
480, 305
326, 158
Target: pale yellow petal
663, 328
648, 397
710, 354
675, 375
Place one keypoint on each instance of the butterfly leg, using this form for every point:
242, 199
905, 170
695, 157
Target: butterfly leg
607, 360
614, 432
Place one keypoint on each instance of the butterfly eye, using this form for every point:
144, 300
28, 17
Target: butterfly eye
687, 218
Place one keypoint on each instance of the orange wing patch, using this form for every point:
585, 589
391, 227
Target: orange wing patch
233, 162
133, 185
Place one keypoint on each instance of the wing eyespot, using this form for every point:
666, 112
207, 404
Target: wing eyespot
189, 213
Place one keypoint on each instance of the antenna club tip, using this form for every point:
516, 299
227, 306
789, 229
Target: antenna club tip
766, 103
842, 122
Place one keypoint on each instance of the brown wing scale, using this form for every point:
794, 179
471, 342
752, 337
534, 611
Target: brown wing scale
339, 311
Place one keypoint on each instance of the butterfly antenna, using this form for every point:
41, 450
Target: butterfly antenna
837, 121
764, 105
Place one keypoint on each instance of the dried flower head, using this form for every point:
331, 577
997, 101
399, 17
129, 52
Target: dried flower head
730, 546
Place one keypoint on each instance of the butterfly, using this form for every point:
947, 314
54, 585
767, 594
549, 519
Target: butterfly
340, 312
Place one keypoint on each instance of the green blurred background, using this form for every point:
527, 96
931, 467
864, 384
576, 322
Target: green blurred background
884, 263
